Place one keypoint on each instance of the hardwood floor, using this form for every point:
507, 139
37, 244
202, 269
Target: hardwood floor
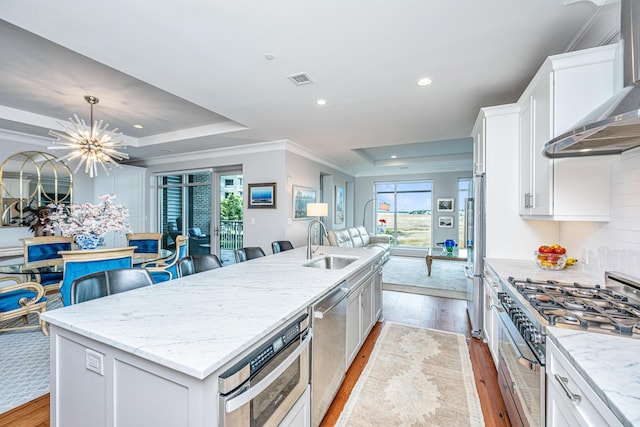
418, 310
32, 414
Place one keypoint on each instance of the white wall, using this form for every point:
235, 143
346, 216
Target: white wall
305, 172
260, 164
615, 245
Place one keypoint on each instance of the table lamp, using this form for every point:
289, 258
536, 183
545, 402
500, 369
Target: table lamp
318, 210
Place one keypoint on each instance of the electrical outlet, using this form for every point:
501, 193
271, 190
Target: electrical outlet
584, 258
94, 361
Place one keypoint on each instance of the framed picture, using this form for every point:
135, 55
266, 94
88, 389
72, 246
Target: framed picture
262, 196
445, 205
339, 205
445, 222
302, 196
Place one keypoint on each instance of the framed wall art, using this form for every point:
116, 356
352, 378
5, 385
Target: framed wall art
262, 196
339, 205
301, 197
445, 205
445, 222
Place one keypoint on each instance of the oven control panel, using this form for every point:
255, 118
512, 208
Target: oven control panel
526, 328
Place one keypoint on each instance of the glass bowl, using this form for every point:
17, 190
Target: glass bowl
550, 261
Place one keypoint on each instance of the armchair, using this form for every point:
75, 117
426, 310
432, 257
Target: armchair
166, 269
81, 263
199, 243
43, 251
20, 299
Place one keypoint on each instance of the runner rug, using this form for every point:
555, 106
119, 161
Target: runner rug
415, 377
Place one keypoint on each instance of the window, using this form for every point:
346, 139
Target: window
408, 220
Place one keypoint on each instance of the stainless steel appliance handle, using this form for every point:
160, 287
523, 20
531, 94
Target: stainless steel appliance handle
245, 397
563, 383
465, 236
515, 339
323, 311
467, 272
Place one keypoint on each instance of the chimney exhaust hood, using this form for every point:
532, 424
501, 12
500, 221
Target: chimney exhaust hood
614, 127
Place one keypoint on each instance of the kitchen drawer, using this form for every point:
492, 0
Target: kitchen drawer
585, 408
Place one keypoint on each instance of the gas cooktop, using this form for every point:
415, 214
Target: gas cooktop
586, 307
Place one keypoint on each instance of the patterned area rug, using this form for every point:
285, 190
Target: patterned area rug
409, 274
415, 377
24, 362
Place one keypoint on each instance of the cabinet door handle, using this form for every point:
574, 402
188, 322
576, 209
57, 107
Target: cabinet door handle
563, 383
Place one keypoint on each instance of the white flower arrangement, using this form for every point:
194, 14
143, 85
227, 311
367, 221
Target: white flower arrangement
89, 219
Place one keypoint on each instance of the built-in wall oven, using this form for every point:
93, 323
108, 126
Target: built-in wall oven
262, 388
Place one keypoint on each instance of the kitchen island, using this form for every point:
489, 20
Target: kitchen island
177, 336
601, 369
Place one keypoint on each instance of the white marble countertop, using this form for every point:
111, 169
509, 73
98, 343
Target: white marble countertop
610, 364
199, 323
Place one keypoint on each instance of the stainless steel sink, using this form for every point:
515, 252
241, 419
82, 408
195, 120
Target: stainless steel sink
331, 262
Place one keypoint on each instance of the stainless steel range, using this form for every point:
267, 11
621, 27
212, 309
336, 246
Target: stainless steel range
528, 306
614, 309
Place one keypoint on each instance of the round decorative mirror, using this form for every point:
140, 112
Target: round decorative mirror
31, 179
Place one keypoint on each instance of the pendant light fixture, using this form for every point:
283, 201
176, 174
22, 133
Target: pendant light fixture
92, 145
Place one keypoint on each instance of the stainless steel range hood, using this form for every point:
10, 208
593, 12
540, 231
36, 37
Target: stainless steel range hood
613, 127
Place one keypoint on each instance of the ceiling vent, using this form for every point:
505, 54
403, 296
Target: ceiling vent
300, 79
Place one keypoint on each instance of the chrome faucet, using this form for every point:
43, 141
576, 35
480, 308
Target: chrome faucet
309, 251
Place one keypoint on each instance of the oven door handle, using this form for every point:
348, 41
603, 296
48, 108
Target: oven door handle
245, 397
512, 333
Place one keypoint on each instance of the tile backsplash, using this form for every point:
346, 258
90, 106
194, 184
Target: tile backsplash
614, 245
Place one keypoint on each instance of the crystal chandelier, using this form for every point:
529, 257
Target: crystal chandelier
92, 145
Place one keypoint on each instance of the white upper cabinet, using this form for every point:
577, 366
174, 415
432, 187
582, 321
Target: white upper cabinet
565, 89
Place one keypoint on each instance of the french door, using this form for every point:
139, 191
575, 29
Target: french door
206, 206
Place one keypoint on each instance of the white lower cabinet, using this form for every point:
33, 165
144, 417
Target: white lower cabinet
570, 400
364, 306
300, 414
491, 304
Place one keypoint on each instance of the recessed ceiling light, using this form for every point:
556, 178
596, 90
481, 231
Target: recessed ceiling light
394, 157
321, 102
269, 57
138, 126
425, 81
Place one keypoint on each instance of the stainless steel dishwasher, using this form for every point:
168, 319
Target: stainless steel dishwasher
328, 352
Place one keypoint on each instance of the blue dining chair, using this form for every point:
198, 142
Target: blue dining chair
166, 269
146, 243
42, 251
81, 263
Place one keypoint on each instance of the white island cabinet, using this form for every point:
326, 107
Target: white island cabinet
565, 89
152, 356
364, 306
